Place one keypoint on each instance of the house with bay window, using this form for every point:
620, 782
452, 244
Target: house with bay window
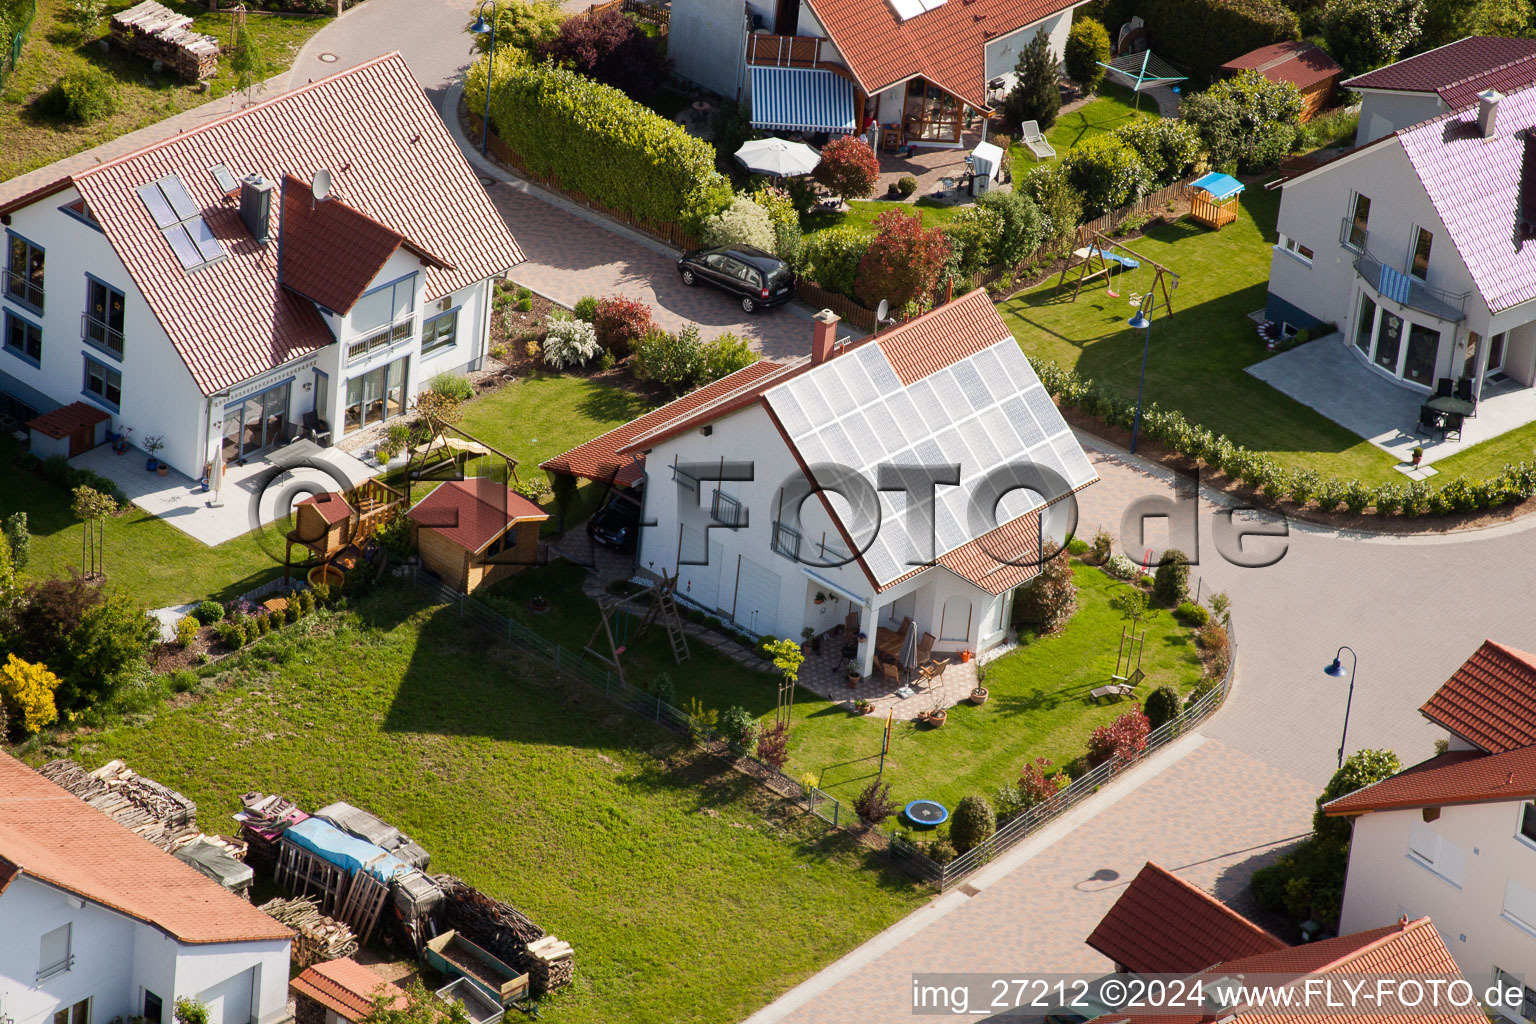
1454, 837
1420, 247
917, 68
307, 264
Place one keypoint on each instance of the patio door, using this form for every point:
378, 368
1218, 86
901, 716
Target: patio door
1389, 342
1496, 353
256, 423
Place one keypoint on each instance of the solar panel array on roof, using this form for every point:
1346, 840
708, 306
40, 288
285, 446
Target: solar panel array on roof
985, 411
179, 219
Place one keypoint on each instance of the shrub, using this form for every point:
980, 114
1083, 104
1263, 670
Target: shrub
1362, 768
663, 689
773, 745
1365, 34
784, 215
832, 258
873, 804
84, 15
1087, 45
90, 94
20, 539
107, 646
903, 261
1193, 614
738, 726
619, 323
186, 630
569, 343
1172, 577
190, 1011
848, 168
742, 223
906, 185
612, 49
1061, 205
1077, 547
453, 385
1246, 121
1022, 229
971, 234
523, 27
1047, 601
586, 309
291, 613
1121, 740
209, 612
724, 355
1102, 541
28, 692
1035, 786
940, 850
263, 624
1167, 146
972, 823
1035, 96
322, 592
1162, 706
49, 611
1106, 173
1204, 34
599, 142
1121, 568
675, 361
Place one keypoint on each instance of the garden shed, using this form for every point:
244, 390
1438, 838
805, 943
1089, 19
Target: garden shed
475, 531
69, 430
156, 32
1305, 65
339, 990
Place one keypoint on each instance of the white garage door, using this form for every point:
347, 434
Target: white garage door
699, 583
229, 1002
757, 598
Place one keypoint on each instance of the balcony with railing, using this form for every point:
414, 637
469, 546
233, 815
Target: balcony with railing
24, 289
1396, 286
788, 51
727, 510
101, 334
400, 330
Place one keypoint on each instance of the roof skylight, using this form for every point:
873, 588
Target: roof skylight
912, 8
178, 218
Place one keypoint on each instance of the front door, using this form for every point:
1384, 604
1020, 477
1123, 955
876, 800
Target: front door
1496, 353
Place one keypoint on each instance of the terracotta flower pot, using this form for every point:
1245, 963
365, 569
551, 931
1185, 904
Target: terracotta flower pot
979, 695
938, 718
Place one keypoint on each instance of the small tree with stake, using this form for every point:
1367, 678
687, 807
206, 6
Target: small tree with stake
848, 168
92, 507
247, 59
787, 656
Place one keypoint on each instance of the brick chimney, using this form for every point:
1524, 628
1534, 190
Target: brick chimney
823, 336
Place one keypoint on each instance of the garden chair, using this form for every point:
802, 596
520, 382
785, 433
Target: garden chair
1464, 392
316, 429
1451, 425
1034, 140
1443, 387
1429, 419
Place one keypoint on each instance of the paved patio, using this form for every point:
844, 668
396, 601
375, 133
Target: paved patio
1325, 375
826, 675
252, 494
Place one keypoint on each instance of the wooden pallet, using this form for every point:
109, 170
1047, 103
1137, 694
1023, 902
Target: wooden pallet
360, 908
302, 872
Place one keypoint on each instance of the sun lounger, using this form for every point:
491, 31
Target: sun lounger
1034, 139
1116, 690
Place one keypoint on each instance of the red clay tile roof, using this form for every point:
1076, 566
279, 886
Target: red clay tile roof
345, 986
1163, 925
1302, 64
1455, 777
606, 457
57, 838
474, 512
928, 344
1490, 701
390, 157
946, 45
1446, 65
330, 252
333, 510
67, 419
1517, 74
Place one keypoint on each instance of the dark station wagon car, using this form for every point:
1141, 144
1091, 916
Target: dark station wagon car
760, 280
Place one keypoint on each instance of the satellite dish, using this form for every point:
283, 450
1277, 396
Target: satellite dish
321, 186
882, 311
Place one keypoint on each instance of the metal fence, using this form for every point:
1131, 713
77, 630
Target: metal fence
11, 55
828, 808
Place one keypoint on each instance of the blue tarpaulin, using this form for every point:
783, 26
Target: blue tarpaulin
334, 846
1220, 186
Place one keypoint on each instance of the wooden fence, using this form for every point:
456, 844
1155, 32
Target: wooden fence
667, 231
657, 14
1146, 204
814, 295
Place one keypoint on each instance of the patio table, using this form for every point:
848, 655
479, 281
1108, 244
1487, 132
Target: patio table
1449, 403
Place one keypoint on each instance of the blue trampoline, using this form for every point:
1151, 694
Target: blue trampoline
925, 813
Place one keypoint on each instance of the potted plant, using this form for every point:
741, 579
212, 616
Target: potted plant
854, 675
979, 695
805, 636
936, 717
821, 598
1418, 455
154, 445
863, 707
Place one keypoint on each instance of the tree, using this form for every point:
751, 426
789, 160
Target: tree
1365, 34
1446, 21
903, 261
1362, 768
248, 60
92, 507
848, 168
84, 15
612, 49
787, 657
103, 650
563, 486
20, 538
523, 27
1087, 45
28, 691
1047, 601
417, 1006
1035, 96
10, 587
1171, 581
1121, 740
1133, 605
1246, 121
972, 823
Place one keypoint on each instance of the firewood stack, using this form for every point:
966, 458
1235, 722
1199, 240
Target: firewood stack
319, 937
506, 933
158, 813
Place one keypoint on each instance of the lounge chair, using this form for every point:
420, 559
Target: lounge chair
1115, 690
1034, 139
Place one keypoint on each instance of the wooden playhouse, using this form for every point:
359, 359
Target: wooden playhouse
334, 526
475, 531
1213, 199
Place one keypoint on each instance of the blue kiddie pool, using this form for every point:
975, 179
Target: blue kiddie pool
925, 813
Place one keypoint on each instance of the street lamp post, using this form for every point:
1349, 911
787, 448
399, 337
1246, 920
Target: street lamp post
1142, 324
1337, 671
480, 28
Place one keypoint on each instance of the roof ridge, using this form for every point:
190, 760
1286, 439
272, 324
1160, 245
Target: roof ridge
1403, 927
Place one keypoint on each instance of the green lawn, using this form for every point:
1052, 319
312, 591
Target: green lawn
689, 895
1197, 355
1038, 707
862, 214
34, 137
1112, 107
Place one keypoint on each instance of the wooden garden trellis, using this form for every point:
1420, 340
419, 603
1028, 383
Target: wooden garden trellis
1097, 262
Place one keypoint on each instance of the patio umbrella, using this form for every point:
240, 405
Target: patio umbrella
778, 158
216, 480
907, 659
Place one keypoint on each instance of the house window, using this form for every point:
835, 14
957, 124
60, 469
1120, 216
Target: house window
1419, 267
375, 396
786, 541
1365, 326
23, 338
442, 331
1423, 349
1389, 341
1296, 249
24, 273
1430, 849
55, 958
506, 543
154, 1008
1528, 820
80, 1013
1527, 1006
103, 382
1357, 223
102, 324
725, 509
1519, 906
384, 316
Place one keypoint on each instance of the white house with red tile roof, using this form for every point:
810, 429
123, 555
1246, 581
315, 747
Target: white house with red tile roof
1419, 248
201, 290
909, 475
1454, 837
100, 923
831, 65
1439, 81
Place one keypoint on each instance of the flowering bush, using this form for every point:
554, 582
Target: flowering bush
903, 261
570, 342
1121, 568
619, 323
1120, 740
28, 688
742, 223
848, 168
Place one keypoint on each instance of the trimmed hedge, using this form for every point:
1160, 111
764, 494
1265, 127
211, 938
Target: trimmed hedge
1202, 35
1515, 482
594, 140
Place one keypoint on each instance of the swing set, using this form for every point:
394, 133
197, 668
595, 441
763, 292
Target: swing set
1106, 258
615, 622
